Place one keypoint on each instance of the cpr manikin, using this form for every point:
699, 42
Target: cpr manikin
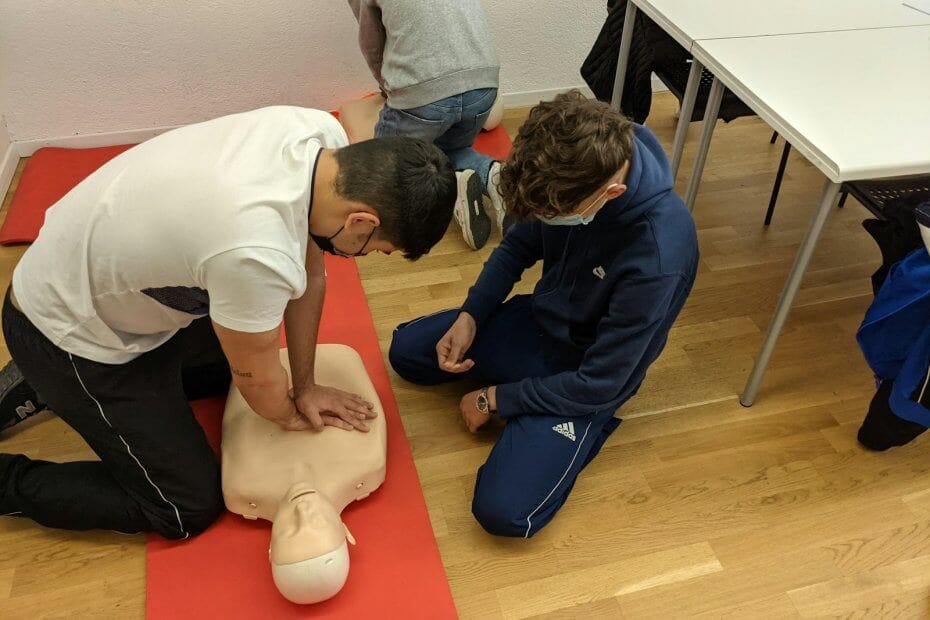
302, 480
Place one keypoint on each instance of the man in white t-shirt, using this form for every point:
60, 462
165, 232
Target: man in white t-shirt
171, 269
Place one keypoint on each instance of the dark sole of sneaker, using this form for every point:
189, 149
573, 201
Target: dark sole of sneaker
479, 224
9, 377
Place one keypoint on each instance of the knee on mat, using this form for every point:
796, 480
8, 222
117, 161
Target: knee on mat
204, 515
194, 518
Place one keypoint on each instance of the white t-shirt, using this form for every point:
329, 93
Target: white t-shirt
210, 218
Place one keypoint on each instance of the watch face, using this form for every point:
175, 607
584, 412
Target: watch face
482, 403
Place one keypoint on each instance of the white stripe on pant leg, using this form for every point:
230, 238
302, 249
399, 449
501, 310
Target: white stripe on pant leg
924, 388
529, 524
146, 473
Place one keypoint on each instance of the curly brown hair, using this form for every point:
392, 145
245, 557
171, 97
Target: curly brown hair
563, 153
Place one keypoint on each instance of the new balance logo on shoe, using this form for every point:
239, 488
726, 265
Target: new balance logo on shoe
566, 428
25, 410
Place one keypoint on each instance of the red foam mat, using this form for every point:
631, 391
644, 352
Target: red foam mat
495, 143
50, 174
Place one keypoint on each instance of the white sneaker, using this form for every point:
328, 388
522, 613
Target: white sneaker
469, 210
504, 220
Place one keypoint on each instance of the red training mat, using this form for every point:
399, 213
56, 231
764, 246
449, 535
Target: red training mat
396, 571
495, 143
50, 174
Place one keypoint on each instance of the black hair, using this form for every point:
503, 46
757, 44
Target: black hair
409, 182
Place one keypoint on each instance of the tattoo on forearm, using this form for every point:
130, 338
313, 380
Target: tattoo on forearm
239, 373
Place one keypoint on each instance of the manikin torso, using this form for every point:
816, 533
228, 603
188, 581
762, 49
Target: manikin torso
303, 480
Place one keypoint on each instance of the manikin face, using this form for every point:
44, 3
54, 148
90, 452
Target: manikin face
306, 526
309, 555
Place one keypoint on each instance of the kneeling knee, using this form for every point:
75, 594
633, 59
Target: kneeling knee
499, 517
399, 356
412, 359
205, 513
180, 522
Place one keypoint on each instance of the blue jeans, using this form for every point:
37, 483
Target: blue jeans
534, 464
452, 124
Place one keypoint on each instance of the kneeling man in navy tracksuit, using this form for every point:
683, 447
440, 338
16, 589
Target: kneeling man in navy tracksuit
619, 251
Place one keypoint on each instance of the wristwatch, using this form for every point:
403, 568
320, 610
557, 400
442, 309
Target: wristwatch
482, 403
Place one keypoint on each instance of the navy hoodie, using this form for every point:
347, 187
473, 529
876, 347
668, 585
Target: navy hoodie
609, 291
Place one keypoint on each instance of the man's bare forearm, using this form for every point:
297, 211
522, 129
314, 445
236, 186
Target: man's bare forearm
302, 324
266, 393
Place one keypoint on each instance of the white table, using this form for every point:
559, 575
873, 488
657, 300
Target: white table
695, 20
688, 21
856, 103
879, 70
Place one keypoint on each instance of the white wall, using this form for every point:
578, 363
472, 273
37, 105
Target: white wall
7, 159
542, 43
94, 66
4, 137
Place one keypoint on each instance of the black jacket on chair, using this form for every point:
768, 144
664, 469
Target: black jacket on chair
652, 49
600, 67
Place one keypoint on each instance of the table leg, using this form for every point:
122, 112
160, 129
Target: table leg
707, 131
684, 117
827, 198
626, 40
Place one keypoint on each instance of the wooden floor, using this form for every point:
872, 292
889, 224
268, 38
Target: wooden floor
696, 506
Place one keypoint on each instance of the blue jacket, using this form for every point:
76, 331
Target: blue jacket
608, 295
895, 334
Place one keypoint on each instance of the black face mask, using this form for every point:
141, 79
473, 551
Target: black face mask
326, 243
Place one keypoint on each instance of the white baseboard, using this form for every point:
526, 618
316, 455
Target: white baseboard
25, 148
8, 163
532, 97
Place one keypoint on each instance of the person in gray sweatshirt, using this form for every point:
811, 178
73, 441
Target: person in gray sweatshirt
438, 70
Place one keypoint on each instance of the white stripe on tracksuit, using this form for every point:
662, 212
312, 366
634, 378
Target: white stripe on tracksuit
177, 513
529, 523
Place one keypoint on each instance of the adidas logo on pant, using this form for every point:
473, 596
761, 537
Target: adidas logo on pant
566, 428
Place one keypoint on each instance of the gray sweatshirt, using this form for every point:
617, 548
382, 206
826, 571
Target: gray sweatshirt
421, 51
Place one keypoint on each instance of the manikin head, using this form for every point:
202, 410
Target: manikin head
309, 555
569, 159
382, 195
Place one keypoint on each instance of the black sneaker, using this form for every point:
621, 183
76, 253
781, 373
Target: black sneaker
18, 401
882, 429
469, 210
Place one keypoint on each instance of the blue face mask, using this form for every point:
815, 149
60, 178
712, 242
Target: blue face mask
578, 218
568, 220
